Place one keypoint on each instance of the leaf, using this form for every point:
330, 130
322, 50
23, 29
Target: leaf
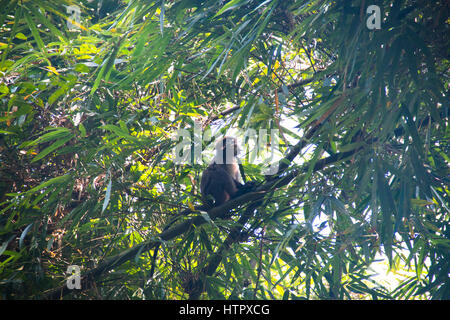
46, 22
411, 126
4, 88
34, 31
420, 261
230, 6
161, 18
56, 180
64, 16
5, 244
83, 67
123, 126
138, 254
351, 146
82, 130
207, 218
108, 195
119, 132
21, 36
55, 133
52, 69
52, 147
7, 132
311, 164
106, 68
23, 235
388, 208
50, 243
191, 206
440, 199
411, 59
286, 237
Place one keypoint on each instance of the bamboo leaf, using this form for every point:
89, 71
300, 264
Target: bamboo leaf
233, 4
54, 133
119, 132
388, 210
46, 22
34, 31
5, 244
107, 195
161, 18
106, 68
52, 148
23, 235
56, 180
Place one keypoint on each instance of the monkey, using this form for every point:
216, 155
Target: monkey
220, 180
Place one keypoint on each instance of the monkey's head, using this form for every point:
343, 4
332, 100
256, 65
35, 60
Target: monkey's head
228, 148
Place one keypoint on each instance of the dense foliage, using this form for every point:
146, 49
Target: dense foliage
90, 105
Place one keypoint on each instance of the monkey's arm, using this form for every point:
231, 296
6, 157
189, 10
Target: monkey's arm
244, 188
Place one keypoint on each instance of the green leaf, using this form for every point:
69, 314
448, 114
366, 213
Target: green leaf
4, 88
82, 68
161, 18
34, 31
107, 195
45, 21
55, 133
23, 235
123, 126
5, 244
119, 132
286, 237
56, 180
7, 132
138, 254
52, 148
82, 130
58, 93
389, 210
206, 216
411, 126
106, 68
21, 36
230, 6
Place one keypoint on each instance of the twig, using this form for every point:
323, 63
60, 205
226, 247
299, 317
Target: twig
259, 263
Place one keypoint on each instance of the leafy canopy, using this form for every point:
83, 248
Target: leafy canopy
90, 103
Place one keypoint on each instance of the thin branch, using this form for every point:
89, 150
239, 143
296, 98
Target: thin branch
223, 113
258, 277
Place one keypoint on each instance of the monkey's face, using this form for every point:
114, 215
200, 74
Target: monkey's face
228, 147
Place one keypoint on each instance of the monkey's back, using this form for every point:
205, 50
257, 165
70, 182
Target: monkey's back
218, 182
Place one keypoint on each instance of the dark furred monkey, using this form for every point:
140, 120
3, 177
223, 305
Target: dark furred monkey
221, 178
